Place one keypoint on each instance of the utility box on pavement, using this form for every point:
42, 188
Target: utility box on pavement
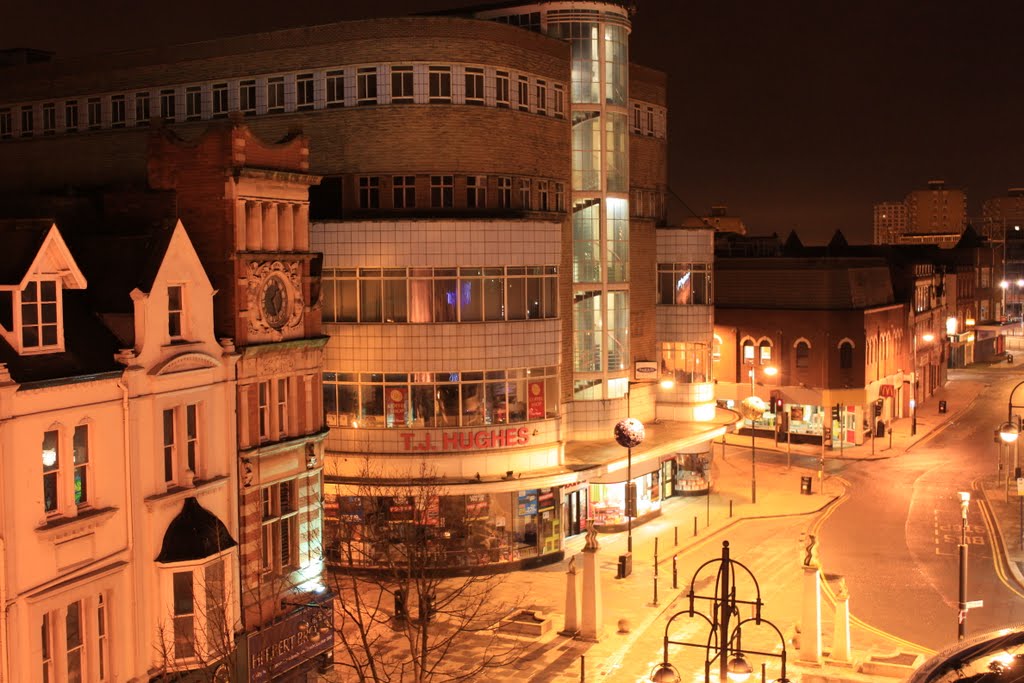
625, 566
805, 486
942, 407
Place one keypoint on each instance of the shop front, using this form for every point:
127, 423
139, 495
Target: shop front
302, 641
576, 509
691, 474
608, 497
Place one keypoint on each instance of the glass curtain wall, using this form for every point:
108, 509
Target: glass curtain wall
599, 40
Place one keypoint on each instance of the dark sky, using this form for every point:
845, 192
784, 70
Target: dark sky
796, 114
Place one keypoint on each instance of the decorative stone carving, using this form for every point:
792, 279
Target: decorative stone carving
811, 552
274, 296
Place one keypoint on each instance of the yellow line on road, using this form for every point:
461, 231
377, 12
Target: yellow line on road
998, 547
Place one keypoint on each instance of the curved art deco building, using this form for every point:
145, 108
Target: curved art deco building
494, 288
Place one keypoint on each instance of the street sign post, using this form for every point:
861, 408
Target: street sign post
974, 604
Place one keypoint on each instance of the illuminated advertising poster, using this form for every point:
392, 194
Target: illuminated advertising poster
394, 398
535, 407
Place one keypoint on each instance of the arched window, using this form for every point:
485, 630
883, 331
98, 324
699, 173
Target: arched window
764, 352
803, 354
845, 355
748, 351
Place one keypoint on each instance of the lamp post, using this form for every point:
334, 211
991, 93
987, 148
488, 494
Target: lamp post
752, 409
723, 644
961, 625
1003, 285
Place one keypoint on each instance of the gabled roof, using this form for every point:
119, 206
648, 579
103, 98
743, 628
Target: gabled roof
29, 242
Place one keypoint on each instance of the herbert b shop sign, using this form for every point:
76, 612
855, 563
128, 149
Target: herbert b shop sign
287, 644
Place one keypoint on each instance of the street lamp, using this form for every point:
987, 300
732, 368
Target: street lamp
1003, 285
722, 644
961, 625
752, 408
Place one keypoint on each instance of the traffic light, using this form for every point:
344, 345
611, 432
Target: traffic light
427, 610
400, 609
776, 402
835, 412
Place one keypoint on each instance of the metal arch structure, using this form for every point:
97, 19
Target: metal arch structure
722, 640
1010, 404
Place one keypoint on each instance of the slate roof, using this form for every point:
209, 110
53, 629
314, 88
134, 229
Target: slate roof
21, 240
195, 533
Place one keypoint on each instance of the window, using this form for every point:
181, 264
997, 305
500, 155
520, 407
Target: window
440, 80
803, 354
474, 85
26, 121
6, 124
366, 85
476, 192
275, 95
401, 85
51, 472
523, 93
220, 100
75, 641
650, 121
279, 551
263, 409
638, 126
170, 446
167, 105
80, 453
685, 362
542, 195
559, 196
304, 93
49, 118
542, 97
501, 89
559, 103
247, 97
192, 436
39, 315
369, 192
102, 650
46, 642
94, 112
175, 310
442, 191
142, 115
748, 352
193, 103
683, 284
765, 352
524, 193
404, 191
504, 192
335, 88
282, 408
184, 616
845, 355
71, 116
118, 112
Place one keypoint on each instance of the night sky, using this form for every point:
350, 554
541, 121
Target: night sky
797, 115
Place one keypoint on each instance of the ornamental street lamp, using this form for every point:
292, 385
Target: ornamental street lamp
723, 644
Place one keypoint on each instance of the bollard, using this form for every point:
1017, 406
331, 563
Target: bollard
730, 509
655, 603
695, 525
676, 539
655, 555
583, 668
675, 573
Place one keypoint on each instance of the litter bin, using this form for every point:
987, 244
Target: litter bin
880, 428
1009, 358
805, 486
942, 407
625, 566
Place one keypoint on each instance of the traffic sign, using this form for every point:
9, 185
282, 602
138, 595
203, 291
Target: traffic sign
974, 604
1020, 486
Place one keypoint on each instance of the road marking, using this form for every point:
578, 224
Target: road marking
999, 552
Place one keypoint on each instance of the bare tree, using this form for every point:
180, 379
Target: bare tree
410, 569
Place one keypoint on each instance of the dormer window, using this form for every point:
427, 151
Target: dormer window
39, 320
175, 311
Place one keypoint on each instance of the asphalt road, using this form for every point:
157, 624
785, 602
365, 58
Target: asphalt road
896, 536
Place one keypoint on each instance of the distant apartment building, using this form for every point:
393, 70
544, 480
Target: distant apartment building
1002, 220
934, 215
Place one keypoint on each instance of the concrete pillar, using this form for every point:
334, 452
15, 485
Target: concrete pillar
270, 226
592, 623
572, 608
253, 226
240, 220
286, 226
841, 637
810, 622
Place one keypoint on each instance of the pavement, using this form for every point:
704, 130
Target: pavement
693, 527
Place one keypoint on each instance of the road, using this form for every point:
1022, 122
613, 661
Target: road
895, 538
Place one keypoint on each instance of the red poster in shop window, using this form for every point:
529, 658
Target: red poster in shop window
394, 398
535, 407
851, 435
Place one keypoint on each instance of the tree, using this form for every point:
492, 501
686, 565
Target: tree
410, 570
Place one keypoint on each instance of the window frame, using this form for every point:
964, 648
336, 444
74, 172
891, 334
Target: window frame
439, 81
193, 103
403, 192
366, 86
305, 92
176, 312
369, 192
39, 308
442, 191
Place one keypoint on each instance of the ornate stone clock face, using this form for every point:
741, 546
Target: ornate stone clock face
274, 300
